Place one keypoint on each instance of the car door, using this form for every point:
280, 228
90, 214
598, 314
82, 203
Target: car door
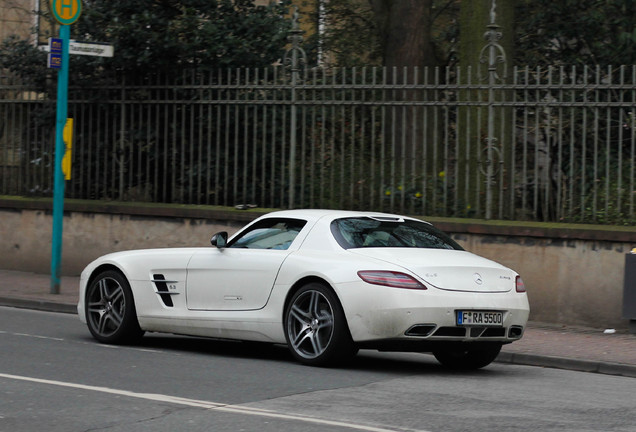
241, 276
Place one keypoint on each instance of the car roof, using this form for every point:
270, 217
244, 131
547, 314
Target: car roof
315, 214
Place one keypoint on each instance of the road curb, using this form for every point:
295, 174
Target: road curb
38, 305
578, 365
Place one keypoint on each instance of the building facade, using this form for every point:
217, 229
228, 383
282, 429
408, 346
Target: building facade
25, 19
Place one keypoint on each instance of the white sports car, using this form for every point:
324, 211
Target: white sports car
324, 282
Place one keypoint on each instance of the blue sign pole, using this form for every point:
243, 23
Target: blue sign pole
60, 149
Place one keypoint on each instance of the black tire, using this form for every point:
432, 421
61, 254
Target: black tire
315, 327
467, 356
110, 309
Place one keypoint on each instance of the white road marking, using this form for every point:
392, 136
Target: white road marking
148, 396
32, 336
150, 350
237, 409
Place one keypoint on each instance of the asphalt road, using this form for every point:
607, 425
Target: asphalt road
55, 377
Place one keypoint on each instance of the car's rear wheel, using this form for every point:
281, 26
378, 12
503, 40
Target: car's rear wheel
315, 327
467, 356
110, 309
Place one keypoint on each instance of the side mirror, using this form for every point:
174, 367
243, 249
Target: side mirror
219, 239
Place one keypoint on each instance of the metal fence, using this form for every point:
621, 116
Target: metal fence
554, 144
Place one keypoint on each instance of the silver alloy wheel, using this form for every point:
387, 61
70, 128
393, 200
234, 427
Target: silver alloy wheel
106, 307
310, 324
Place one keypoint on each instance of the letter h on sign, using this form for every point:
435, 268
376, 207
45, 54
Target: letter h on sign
66, 9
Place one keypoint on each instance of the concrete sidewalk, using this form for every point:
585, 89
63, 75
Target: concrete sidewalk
546, 345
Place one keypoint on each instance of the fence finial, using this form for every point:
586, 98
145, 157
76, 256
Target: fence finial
295, 56
493, 54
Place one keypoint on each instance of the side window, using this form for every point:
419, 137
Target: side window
272, 233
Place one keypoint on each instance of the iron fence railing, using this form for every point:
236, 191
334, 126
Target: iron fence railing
553, 144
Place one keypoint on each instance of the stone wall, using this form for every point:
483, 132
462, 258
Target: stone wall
574, 274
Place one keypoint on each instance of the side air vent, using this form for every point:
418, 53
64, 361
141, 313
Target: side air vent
162, 287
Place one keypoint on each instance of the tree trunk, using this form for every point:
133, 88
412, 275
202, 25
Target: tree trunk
404, 28
405, 31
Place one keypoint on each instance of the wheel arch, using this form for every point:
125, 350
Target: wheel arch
102, 268
301, 283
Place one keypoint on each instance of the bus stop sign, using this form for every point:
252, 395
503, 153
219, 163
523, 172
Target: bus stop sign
66, 12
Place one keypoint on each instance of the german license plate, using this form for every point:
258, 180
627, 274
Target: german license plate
481, 318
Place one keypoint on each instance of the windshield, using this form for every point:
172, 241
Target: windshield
364, 232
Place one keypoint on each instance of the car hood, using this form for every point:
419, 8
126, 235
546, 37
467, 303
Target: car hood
451, 270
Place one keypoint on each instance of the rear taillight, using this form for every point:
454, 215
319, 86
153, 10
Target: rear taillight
390, 279
521, 287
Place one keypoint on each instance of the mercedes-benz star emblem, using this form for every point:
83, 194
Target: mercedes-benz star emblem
477, 278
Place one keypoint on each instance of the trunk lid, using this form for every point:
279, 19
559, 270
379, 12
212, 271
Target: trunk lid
450, 270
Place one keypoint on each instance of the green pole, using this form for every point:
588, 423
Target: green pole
60, 149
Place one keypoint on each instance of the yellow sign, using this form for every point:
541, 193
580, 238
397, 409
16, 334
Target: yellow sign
67, 136
66, 12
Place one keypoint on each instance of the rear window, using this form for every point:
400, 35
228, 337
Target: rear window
366, 232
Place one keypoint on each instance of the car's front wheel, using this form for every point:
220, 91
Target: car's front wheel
110, 309
315, 327
467, 356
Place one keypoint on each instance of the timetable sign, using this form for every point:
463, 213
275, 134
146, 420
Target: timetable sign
55, 45
54, 61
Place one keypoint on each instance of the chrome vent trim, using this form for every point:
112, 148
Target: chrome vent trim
431, 331
421, 330
515, 332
